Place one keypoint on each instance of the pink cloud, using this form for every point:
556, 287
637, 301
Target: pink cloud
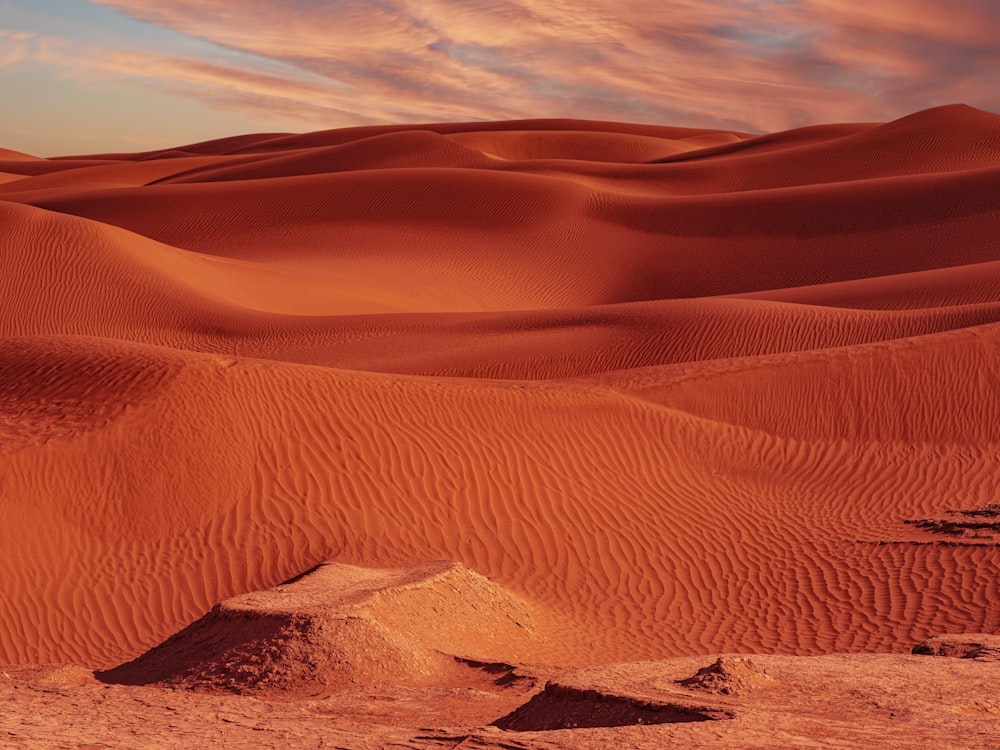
311, 99
14, 46
764, 64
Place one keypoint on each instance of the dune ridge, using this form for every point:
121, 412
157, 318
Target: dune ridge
683, 391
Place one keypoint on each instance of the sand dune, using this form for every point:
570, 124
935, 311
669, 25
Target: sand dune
7, 154
340, 625
426, 225
681, 392
106, 174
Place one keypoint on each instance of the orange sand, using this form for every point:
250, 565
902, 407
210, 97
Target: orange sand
681, 391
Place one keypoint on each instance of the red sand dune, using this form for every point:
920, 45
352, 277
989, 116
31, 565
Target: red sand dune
340, 624
684, 392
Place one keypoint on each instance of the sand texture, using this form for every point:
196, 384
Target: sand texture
653, 392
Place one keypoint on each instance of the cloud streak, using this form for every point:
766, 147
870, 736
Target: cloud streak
14, 46
742, 64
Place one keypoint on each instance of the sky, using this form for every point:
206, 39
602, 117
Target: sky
88, 76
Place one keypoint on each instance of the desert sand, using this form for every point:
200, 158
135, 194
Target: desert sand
546, 433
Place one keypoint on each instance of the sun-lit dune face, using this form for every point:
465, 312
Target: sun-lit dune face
675, 391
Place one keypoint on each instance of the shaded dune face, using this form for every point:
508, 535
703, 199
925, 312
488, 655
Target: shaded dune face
682, 391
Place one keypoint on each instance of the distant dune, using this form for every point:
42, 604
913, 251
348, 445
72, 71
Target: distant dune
678, 392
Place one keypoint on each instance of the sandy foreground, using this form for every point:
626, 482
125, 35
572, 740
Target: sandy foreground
528, 434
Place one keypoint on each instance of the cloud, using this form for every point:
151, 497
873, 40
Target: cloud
14, 46
897, 46
310, 99
745, 64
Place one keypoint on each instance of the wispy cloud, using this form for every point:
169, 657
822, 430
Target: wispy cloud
907, 54
746, 64
14, 46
